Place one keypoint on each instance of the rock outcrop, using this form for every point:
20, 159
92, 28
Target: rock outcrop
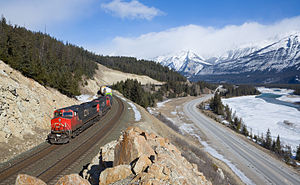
26, 108
142, 158
23, 179
73, 179
136, 158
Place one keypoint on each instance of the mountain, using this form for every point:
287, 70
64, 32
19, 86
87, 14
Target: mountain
185, 62
272, 62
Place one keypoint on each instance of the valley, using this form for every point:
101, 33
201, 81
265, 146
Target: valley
251, 163
149, 92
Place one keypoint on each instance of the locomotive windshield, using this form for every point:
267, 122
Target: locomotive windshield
67, 114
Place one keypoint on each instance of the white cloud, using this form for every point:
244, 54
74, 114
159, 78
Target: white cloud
35, 14
132, 10
206, 41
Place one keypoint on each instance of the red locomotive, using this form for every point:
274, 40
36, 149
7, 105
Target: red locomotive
70, 121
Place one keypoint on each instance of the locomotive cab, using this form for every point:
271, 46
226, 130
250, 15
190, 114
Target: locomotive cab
61, 125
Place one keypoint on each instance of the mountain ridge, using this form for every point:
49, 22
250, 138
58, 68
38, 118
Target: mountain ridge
280, 58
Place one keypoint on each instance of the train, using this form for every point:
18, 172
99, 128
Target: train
70, 121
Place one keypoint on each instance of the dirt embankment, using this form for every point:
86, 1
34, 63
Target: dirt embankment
26, 108
106, 76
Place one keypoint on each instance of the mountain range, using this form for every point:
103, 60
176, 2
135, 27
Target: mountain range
275, 62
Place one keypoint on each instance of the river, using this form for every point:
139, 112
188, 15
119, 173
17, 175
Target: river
272, 98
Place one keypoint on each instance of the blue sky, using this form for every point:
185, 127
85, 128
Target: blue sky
137, 27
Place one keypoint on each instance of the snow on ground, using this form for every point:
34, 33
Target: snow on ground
137, 113
189, 128
85, 98
289, 98
286, 94
277, 91
161, 104
261, 116
215, 154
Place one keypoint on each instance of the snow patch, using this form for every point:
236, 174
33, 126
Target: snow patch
215, 154
277, 91
161, 104
189, 128
289, 98
85, 98
137, 113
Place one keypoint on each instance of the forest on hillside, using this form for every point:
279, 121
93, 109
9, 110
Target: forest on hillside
62, 65
238, 90
45, 59
148, 95
140, 67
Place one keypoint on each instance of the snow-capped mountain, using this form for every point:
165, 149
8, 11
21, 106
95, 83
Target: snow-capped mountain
277, 61
275, 57
185, 62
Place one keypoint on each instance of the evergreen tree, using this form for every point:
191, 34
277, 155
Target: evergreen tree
277, 148
216, 104
268, 141
298, 153
287, 154
273, 147
255, 138
245, 130
228, 114
237, 124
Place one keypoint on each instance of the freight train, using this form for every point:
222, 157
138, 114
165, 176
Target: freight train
70, 121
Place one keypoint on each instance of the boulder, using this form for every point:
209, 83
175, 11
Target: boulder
107, 151
23, 179
131, 147
73, 179
111, 175
142, 158
141, 164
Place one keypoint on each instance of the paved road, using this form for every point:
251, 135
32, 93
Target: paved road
258, 166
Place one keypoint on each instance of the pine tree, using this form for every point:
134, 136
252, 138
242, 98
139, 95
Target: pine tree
268, 140
245, 130
228, 114
298, 153
216, 104
255, 138
273, 148
278, 145
237, 124
287, 154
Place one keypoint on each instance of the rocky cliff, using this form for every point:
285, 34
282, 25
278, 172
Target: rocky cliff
141, 158
26, 108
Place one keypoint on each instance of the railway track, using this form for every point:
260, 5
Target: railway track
49, 162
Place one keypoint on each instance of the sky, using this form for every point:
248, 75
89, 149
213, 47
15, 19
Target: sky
150, 28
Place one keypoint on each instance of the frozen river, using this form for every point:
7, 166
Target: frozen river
265, 111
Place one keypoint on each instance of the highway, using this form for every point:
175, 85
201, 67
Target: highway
254, 163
